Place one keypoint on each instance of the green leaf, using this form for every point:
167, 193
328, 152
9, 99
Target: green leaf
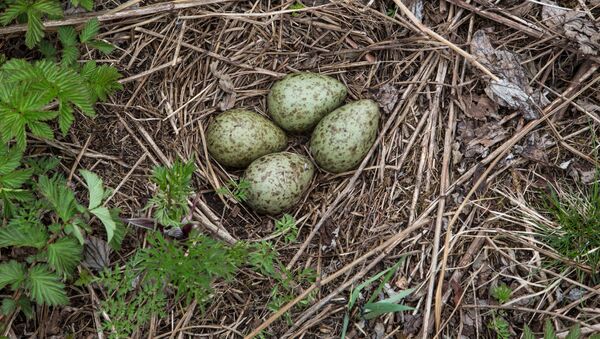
8, 306
47, 49
94, 184
60, 197
398, 296
88, 5
9, 161
25, 305
376, 309
67, 35
35, 29
359, 288
12, 12
65, 118
574, 332
109, 224
64, 255
41, 130
549, 330
45, 287
102, 46
12, 273
76, 231
120, 231
90, 30
23, 233
50, 7
15, 179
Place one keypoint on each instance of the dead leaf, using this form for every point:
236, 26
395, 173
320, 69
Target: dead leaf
387, 96
479, 107
226, 85
512, 90
575, 25
536, 153
96, 254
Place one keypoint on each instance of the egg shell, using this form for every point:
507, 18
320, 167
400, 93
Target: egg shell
343, 138
237, 137
277, 181
300, 100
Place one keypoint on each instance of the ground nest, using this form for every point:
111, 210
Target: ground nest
455, 185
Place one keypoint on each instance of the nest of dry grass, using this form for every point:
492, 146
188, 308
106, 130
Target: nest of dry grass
447, 185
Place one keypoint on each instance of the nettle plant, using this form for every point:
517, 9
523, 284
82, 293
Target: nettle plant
43, 226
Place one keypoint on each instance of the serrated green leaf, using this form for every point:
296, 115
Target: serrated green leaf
12, 273
13, 11
15, 179
25, 305
65, 118
59, 196
41, 130
90, 30
45, 286
103, 214
102, 46
23, 233
47, 49
49, 7
9, 161
88, 5
69, 55
8, 306
95, 188
35, 29
120, 231
67, 35
64, 255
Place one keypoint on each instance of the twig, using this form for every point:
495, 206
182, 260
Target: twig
107, 16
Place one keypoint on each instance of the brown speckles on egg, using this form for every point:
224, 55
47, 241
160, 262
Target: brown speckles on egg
277, 181
298, 101
237, 137
343, 138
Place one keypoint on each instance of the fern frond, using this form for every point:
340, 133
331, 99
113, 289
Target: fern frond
12, 273
13, 11
65, 117
45, 286
64, 255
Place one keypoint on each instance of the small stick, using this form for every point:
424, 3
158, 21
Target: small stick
107, 16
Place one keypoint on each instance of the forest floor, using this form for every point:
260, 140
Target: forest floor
481, 184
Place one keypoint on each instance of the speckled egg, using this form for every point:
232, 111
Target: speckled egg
343, 138
277, 181
237, 137
300, 100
